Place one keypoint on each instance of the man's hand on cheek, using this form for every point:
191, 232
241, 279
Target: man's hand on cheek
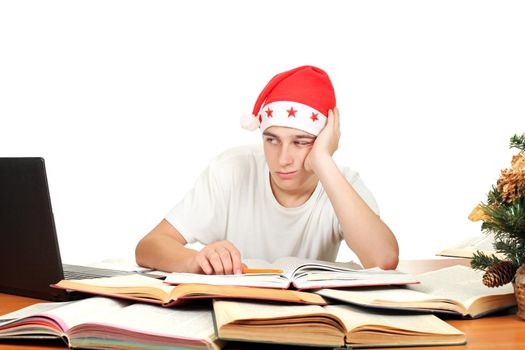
326, 142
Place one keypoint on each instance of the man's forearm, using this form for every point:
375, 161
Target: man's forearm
365, 233
163, 253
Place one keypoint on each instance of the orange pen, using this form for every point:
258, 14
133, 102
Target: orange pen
247, 270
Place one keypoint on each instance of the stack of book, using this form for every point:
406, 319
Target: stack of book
309, 304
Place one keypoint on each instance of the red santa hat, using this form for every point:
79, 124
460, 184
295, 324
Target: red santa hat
299, 98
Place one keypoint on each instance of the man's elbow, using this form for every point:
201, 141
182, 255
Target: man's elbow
139, 254
389, 256
388, 262
385, 261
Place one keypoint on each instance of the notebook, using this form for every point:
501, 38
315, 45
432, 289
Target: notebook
29, 253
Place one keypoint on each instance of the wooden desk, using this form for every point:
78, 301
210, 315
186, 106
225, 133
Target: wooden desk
489, 333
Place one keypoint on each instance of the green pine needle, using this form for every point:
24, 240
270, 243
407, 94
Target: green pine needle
481, 261
518, 141
494, 197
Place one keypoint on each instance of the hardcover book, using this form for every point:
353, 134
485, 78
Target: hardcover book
152, 290
104, 323
328, 326
300, 274
455, 290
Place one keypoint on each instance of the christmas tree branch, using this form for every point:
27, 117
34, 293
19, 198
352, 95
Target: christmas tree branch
506, 220
481, 261
494, 197
504, 215
512, 249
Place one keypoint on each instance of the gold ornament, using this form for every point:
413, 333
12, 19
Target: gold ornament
478, 214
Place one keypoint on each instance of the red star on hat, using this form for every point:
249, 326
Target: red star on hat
269, 112
314, 116
291, 112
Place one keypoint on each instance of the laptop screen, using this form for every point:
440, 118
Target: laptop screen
29, 252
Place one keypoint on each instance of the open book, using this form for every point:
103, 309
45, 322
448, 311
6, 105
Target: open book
328, 326
104, 323
467, 247
301, 273
456, 290
147, 289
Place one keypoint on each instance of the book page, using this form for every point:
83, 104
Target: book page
303, 283
134, 280
227, 311
296, 267
392, 297
260, 264
291, 265
364, 274
73, 313
467, 247
29, 311
358, 320
374, 295
65, 314
277, 323
128, 285
308, 273
250, 280
459, 283
304, 273
193, 322
242, 292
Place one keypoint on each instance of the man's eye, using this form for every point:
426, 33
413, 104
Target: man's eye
271, 140
302, 143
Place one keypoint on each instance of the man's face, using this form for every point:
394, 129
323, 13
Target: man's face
285, 150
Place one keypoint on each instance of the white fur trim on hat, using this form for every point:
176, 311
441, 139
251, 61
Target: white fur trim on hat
293, 115
249, 122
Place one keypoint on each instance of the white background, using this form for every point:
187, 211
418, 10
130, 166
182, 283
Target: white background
128, 101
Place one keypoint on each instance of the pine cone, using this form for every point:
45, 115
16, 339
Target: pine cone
499, 274
511, 184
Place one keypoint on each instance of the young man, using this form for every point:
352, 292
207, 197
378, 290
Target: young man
287, 199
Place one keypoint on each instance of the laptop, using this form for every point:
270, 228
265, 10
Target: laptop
29, 252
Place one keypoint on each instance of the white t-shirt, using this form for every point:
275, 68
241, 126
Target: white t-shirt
232, 200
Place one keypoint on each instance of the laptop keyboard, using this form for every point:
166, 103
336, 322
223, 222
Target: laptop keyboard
77, 272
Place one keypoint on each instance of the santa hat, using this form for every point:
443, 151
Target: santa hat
299, 98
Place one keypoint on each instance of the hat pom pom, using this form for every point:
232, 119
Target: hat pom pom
249, 122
